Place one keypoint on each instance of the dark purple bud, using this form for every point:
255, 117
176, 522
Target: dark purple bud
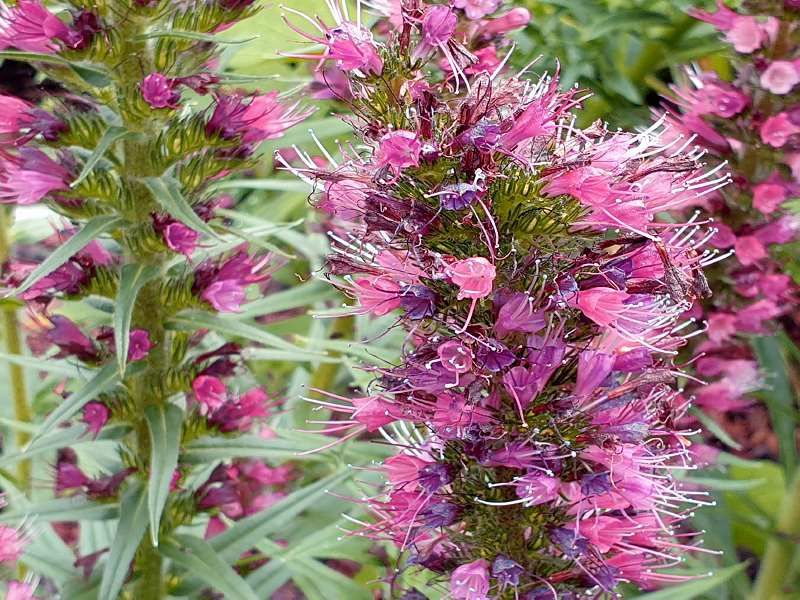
494, 356
105, 487
66, 335
506, 571
84, 27
46, 124
569, 542
611, 277
434, 477
595, 484
606, 576
418, 301
440, 514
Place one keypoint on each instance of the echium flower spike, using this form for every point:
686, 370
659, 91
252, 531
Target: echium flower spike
534, 409
150, 385
749, 128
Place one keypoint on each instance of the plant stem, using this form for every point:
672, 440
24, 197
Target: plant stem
781, 546
16, 374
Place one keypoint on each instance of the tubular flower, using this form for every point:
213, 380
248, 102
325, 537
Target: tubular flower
534, 411
748, 128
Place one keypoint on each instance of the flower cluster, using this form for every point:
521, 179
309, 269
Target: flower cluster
749, 127
127, 167
534, 409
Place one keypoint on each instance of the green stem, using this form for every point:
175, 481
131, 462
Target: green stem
16, 374
780, 551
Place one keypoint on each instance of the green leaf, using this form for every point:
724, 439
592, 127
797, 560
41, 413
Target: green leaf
164, 423
200, 559
271, 184
51, 365
131, 280
692, 589
726, 485
634, 18
247, 532
102, 381
229, 326
780, 399
192, 35
112, 135
130, 530
65, 251
715, 428
61, 509
167, 193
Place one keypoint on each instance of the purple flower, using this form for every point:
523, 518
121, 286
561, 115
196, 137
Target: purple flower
95, 415
139, 345
180, 238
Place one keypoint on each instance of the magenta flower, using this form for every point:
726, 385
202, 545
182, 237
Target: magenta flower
210, 392
777, 130
516, 18
399, 150
780, 77
180, 238
30, 27
27, 177
477, 9
95, 415
471, 581
139, 345
474, 277
159, 91
11, 544
253, 118
20, 590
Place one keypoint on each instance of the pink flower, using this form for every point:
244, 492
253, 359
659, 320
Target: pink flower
11, 544
455, 357
722, 19
14, 114
253, 119
516, 18
180, 238
30, 176
470, 581
752, 318
239, 413
159, 91
780, 77
602, 305
95, 415
225, 296
721, 327
30, 27
353, 49
210, 392
749, 250
399, 149
139, 345
438, 25
593, 368
402, 470
20, 590
373, 412
537, 488
746, 34
379, 295
477, 9
776, 130
474, 277
517, 314
768, 196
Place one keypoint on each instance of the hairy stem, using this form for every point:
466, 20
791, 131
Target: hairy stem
16, 374
775, 567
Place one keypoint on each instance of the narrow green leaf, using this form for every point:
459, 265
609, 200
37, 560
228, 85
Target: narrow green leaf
692, 589
271, 184
780, 398
247, 532
229, 326
112, 135
192, 35
65, 251
51, 365
103, 380
164, 423
61, 509
715, 428
132, 279
130, 530
70, 436
726, 485
167, 193
53, 59
200, 559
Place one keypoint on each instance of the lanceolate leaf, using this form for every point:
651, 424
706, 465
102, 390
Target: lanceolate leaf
164, 423
111, 135
250, 530
200, 559
103, 380
131, 281
132, 523
61, 509
692, 589
166, 192
65, 251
